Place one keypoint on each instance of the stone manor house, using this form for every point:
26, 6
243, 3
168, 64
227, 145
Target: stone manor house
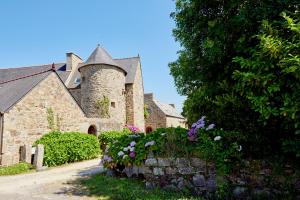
101, 93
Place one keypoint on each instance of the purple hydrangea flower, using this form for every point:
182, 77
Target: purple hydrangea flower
107, 158
132, 154
200, 124
192, 132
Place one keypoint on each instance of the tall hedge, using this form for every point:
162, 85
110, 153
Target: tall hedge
61, 148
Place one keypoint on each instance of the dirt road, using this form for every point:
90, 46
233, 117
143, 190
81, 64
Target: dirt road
56, 183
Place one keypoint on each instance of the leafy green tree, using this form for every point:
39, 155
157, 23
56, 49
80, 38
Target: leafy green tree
270, 78
212, 33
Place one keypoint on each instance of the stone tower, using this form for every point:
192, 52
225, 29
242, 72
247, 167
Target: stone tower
103, 87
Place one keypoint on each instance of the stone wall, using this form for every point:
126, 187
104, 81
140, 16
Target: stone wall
101, 125
76, 93
27, 120
135, 102
99, 80
138, 100
129, 104
175, 122
200, 178
156, 118
177, 174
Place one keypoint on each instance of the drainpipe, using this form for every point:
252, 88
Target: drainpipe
1, 135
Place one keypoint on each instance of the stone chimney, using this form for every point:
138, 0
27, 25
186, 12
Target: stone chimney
72, 61
172, 104
148, 96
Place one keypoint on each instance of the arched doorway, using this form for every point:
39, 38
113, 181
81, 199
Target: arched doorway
149, 129
92, 130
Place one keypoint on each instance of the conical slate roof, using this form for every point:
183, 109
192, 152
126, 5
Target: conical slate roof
100, 56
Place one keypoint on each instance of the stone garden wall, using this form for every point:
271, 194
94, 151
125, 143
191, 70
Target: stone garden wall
176, 174
197, 176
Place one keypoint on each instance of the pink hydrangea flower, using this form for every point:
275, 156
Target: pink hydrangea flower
132, 128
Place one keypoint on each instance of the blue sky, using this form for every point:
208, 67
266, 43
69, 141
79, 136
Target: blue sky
39, 32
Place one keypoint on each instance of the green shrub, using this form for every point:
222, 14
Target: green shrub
15, 169
221, 147
61, 148
107, 137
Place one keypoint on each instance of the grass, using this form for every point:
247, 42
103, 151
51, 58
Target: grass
16, 169
113, 188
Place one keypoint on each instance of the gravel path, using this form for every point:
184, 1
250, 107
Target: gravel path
56, 183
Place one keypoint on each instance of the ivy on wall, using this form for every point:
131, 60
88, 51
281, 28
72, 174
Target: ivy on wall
102, 105
146, 113
54, 124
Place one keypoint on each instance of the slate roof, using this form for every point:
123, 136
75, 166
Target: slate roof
130, 65
63, 75
168, 109
100, 56
15, 83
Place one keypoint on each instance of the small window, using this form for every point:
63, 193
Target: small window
113, 104
149, 110
77, 80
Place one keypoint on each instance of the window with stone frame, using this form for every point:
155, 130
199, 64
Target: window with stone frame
113, 104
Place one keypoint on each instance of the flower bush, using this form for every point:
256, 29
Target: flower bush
109, 136
202, 140
224, 148
128, 149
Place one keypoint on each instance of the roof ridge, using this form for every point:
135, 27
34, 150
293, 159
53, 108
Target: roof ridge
27, 76
126, 58
31, 66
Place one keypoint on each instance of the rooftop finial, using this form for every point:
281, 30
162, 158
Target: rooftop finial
138, 55
53, 67
98, 45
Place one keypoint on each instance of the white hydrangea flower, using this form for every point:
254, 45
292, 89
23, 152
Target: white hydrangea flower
217, 138
240, 148
120, 153
132, 143
150, 143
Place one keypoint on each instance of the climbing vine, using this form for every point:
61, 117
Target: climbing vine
50, 119
102, 105
146, 113
53, 124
